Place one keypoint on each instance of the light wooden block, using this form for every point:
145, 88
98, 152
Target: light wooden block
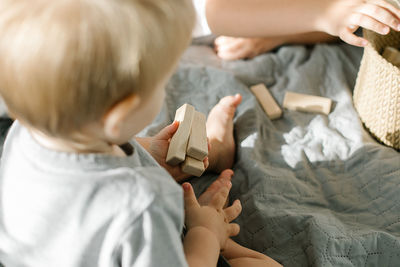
266, 100
197, 146
193, 166
177, 147
307, 103
392, 55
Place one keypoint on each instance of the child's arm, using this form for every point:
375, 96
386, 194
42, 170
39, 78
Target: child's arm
209, 227
238, 255
255, 18
201, 247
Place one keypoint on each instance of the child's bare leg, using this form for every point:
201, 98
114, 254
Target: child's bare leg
220, 133
239, 256
246, 262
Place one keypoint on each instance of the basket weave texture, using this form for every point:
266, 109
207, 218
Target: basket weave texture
377, 90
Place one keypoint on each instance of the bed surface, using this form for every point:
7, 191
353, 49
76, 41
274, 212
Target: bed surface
316, 190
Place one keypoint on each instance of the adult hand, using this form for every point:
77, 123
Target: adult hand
343, 17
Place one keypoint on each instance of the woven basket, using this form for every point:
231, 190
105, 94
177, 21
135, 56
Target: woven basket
377, 91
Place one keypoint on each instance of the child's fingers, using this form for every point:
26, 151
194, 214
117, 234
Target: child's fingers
380, 14
233, 211
227, 174
206, 162
219, 198
168, 131
349, 37
234, 229
189, 196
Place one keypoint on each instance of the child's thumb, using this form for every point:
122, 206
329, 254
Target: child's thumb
167, 132
189, 196
234, 229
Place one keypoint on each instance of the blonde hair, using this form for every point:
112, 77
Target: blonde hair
64, 63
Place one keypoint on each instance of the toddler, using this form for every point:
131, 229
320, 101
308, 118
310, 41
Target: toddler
81, 78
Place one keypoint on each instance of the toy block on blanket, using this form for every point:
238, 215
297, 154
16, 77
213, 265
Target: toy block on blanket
177, 147
307, 103
392, 55
193, 166
266, 100
197, 146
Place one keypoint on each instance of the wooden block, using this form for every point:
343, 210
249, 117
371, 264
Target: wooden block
197, 146
193, 166
307, 103
267, 101
177, 147
392, 55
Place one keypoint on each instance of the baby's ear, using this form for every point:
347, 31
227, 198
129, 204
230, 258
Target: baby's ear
115, 117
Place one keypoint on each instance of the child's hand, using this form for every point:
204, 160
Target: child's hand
212, 216
343, 17
231, 48
158, 145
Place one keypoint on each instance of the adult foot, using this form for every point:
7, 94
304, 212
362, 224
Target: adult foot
220, 133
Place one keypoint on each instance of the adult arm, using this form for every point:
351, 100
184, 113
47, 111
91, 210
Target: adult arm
255, 18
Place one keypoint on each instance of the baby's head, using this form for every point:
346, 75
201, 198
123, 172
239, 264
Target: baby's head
66, 64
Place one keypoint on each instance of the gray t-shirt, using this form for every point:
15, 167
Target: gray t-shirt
63, 209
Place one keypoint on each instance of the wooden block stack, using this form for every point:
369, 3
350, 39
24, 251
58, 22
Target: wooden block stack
189, 143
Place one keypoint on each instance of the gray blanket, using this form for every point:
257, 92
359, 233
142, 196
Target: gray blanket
316, 190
